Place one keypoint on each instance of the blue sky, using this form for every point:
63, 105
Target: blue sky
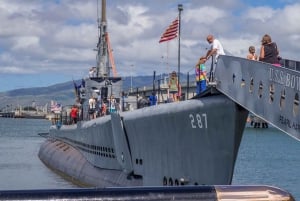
48, 42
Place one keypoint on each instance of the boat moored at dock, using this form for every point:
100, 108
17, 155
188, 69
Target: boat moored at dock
191, 142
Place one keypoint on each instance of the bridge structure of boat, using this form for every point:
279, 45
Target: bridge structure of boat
186, 143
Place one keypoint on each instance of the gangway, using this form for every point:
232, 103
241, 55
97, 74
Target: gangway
269, 92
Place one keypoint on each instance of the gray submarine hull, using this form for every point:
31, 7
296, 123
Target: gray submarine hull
192, 142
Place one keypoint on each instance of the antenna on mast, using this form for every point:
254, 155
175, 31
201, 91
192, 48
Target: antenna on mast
104, 50
102, 55
98, 19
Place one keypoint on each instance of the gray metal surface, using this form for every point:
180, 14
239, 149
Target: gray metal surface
73, 165
121, 144
93, 138
270, 92
191, 142
182, 143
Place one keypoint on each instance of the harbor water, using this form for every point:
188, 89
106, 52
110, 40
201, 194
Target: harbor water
266, 157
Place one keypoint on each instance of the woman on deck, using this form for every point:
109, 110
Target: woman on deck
269, 51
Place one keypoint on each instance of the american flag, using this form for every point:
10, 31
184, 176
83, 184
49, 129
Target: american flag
55, 107
171, 32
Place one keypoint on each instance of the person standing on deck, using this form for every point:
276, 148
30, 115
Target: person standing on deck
216, 49
173, 85
251, 55
92, 108
152, 99
74, 114
103, 109
269, 51
201, 78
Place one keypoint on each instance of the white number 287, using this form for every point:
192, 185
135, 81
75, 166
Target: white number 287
198, 120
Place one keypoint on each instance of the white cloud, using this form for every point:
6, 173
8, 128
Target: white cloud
287, 20
72, 54
205, 15
59, 36
263, 14
83, 35
26, 43
137, 22
14, 69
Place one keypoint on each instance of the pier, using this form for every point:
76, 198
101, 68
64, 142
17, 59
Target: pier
7, 114
26, 112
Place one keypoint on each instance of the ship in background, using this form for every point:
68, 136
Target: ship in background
191, 142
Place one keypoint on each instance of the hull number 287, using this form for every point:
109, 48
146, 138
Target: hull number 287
198, 120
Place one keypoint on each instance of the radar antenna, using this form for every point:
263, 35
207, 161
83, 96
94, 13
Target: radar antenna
104, 51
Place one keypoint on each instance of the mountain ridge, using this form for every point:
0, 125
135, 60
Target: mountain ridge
62, 92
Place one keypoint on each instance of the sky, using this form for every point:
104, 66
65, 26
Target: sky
45, 42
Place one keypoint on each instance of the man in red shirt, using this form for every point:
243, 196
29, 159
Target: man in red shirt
74, 114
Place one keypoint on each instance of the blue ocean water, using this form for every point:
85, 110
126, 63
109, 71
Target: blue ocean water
20, 167
269, 157
266, 157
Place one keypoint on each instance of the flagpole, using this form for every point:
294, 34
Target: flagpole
180, 9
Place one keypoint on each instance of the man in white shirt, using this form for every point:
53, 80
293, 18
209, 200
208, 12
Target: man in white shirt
215, 50
92, 108
216, 47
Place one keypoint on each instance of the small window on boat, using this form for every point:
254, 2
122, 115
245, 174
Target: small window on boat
272, 92
251, 85
260, 89
282, 99
243, 82
296, 105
